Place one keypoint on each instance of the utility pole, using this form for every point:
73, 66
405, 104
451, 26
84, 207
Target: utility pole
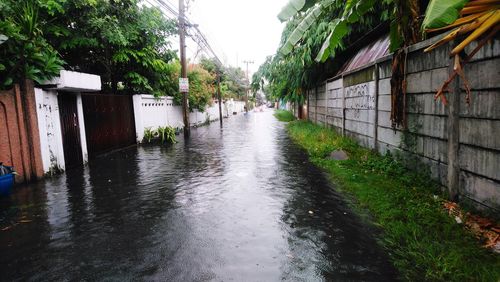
220, 98
248, 81
182, 37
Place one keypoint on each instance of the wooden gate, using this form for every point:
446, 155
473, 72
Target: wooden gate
70, 128
109, 122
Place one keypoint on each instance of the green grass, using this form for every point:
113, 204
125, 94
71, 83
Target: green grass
283, 115
423, 242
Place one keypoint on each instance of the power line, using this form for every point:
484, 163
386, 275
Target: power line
198, 37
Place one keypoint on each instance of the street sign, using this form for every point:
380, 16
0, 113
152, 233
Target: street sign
184, 85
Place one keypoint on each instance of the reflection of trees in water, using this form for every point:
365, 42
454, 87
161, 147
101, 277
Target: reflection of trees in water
321, 224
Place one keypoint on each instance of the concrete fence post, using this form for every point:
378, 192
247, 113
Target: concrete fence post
343, 106
139, 125
316, 104
375, 107
453, 136
325, 97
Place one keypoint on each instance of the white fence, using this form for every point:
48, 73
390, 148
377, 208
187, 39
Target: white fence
151, 112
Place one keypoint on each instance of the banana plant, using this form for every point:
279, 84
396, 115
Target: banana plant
353, 10
298, 33
442, 13
293, 7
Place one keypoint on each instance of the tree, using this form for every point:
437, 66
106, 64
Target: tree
201, 87
231, 80
24, 51
123, 42
317, 36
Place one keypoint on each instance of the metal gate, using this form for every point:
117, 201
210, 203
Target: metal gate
70, 130
109, 122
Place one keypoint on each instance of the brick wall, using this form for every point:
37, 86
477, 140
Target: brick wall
19, 136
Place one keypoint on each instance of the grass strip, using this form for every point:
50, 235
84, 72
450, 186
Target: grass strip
423, 242
283, 115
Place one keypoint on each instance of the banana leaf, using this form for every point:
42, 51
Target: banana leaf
299, 31
353, 12
291, 8
295, 6
339, 30
442, 13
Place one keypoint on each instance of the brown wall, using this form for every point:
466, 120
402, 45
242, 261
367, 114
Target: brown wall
19, 136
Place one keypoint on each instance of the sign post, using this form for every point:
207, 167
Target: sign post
184, 85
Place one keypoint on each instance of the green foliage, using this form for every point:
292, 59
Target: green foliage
299, 31
322, 27
231, 79
164, 134
290, 9
149, 134
283, 115
120, 40
423, 242
232, 84
442, 13
123, 41
24, 52
353, 12
201, 88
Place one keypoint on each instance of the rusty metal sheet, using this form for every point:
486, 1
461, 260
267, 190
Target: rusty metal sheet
368, 54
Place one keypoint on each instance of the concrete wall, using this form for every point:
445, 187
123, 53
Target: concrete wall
358, 104
151, 112
49, 124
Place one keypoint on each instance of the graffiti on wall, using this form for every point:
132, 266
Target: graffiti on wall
359, 97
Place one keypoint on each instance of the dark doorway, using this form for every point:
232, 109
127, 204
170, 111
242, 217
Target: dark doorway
70, 130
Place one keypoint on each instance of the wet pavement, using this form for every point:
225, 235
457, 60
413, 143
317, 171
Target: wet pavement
238, 204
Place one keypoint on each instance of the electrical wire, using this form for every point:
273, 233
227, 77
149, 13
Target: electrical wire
198, 37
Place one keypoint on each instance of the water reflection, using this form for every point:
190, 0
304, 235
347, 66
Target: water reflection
240, 203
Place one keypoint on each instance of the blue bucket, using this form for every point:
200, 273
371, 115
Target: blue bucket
6, 182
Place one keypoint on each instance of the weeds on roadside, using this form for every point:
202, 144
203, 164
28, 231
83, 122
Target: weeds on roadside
423, 242
283, 115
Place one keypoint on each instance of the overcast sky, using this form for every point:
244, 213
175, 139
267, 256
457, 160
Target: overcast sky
238, 30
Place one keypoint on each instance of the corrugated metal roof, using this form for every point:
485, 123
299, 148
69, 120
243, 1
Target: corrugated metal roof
368, 54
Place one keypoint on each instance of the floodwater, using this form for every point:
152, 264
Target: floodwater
240, 203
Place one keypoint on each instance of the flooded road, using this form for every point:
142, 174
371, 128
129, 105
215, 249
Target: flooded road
238, 204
